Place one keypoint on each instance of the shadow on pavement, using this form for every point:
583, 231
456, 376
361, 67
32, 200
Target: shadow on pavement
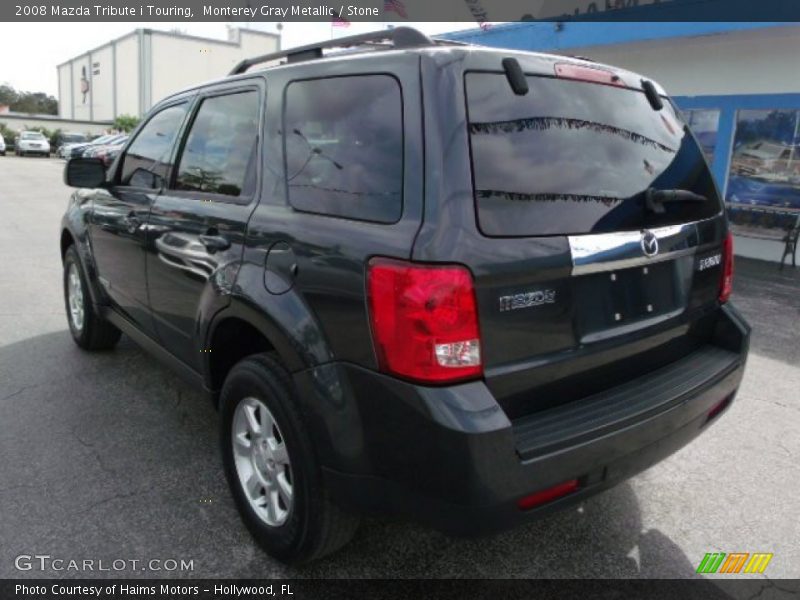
111, 456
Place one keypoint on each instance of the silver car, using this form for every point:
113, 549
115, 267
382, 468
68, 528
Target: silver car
32, 142
2, 146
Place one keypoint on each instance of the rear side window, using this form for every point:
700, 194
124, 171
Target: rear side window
574, 157
147, 160
344, 147
219, 154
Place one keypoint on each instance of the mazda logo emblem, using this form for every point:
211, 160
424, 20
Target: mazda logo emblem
649, 243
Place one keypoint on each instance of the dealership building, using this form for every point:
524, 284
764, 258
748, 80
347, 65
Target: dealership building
737, 86
126, 76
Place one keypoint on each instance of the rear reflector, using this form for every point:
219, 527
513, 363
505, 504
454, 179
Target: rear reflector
718, 408
726, 279
591, 74
424, 320
548, 495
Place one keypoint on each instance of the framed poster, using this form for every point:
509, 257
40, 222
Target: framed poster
763, 192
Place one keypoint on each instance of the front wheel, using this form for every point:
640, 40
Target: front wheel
271, 466
89, 330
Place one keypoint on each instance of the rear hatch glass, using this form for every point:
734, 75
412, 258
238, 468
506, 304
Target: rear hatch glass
572, 157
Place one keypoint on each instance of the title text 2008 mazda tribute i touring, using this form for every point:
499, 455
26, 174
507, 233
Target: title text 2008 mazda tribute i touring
461, 284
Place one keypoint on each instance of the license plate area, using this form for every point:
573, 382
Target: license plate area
615, 299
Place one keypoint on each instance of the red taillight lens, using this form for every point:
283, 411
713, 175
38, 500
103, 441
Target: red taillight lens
548, 495
726, 280
424, 321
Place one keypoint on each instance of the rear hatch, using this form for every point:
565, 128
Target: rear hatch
618, 192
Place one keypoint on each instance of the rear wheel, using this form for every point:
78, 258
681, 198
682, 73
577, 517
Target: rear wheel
89, 330
271, 467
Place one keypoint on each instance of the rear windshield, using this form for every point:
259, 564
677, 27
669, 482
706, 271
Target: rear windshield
572, 157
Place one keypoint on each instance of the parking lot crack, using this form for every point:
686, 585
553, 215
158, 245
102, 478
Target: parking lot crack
119, 496
17, 393
95, 454
771, 585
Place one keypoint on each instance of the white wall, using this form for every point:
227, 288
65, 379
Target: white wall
746, 62
128, 76
181, 62
21, 123
64, 98
103, 84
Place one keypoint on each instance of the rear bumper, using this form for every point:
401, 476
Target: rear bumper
450, 458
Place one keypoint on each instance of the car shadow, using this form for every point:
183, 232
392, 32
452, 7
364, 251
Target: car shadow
130, 453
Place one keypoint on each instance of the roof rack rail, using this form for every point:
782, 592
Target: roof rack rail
401, 37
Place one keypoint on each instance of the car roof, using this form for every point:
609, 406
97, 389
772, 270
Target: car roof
471, 56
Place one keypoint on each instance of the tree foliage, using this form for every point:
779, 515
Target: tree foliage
28, 102
126, 123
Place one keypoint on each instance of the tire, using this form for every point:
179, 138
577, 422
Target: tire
91, 331
312, 525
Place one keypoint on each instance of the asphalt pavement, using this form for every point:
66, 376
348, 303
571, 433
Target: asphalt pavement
110, 456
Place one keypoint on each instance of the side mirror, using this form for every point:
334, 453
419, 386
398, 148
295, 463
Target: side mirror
85, 173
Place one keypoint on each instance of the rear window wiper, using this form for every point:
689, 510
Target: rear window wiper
654, 200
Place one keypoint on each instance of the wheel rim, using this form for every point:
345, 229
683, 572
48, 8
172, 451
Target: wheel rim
75, 297
262, 462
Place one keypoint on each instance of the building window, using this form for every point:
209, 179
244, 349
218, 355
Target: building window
704, 123
344, 147
763, 191
219, 154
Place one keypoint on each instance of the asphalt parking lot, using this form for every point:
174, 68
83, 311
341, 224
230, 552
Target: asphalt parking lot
110, 456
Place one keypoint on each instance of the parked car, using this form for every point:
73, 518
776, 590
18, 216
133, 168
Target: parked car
2, 146
469, 319
32, 142
106, 152
112, 151
77, 150
67, 141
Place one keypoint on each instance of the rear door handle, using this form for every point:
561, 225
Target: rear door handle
214, 243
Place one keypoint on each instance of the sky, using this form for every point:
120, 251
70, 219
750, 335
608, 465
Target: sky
44, 45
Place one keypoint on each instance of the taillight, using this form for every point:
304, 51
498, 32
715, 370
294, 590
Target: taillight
424, 321
726, 280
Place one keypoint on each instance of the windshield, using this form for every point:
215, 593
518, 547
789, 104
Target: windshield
31, 135
73, 138
573, 157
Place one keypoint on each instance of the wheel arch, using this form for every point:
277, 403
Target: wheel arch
240, 330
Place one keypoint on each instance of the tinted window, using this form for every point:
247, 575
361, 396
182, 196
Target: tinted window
344, 147
220, 150
147, 161
574, 157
